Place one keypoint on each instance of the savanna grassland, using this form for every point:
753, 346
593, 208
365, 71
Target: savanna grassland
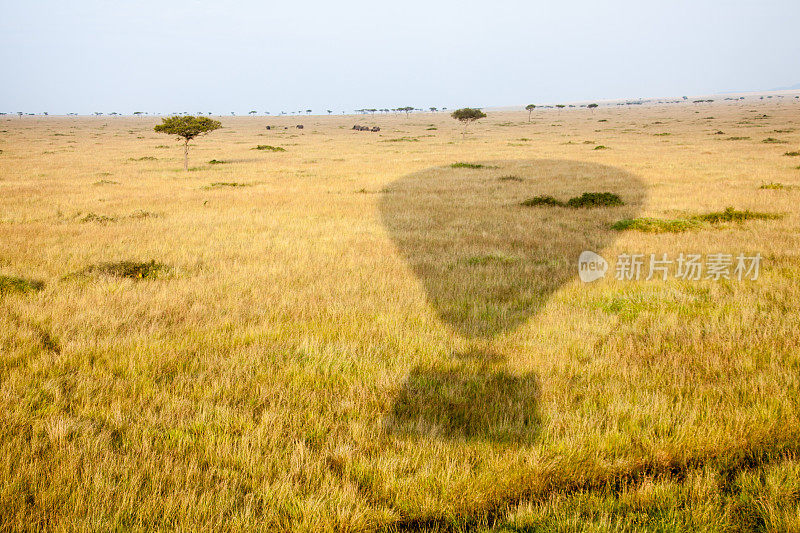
352, 334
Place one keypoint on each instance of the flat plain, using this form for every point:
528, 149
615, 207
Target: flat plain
355, 334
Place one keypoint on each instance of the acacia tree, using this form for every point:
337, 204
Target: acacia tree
530, 108
187, 127
467, 115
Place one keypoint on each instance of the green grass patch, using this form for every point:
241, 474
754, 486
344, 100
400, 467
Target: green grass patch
677, 225
98, 219
269, 148
600, 147
492, 258
732, 215
792, 154
223, 184
655, 225
401, 140
139, 213
143, 158
467, 165
12, 284
216, 162
737, 139
773, 186
510, 178
773, 140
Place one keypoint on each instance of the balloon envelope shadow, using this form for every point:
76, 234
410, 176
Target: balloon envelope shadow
488, 264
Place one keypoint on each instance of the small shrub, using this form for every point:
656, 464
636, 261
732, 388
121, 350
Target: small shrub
792, 154
738, 139
545, 200
600, 147
10, 284
144, 158
772, 140
595, 199
665, 134
216, 162
269, 148
127, 269
774, 185
510, 178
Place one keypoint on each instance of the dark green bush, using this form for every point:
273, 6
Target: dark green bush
595, 199
542, 201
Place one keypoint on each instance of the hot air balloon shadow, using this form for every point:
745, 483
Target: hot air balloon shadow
488, 264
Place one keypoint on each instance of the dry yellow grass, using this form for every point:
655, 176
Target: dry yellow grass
363, 338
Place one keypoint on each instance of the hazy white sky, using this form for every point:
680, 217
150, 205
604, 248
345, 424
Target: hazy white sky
214, 56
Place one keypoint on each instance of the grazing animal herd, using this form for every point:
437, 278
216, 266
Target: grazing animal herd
373, 129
